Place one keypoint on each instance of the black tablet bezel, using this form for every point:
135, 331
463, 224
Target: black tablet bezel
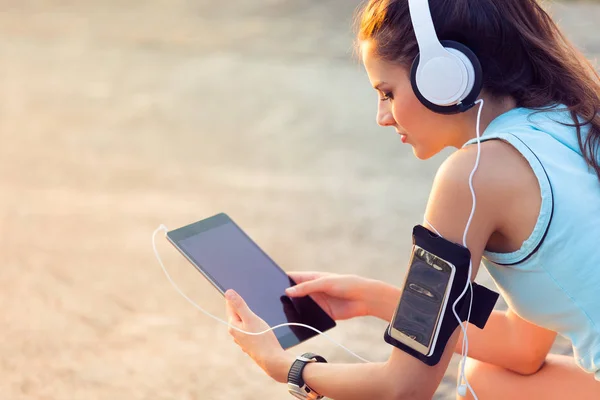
287, 341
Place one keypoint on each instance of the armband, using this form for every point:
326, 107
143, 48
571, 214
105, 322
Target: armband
424, 319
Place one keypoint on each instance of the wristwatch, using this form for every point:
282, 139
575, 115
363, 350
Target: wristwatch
296, 385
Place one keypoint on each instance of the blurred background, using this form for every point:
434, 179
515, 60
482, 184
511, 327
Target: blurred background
117, 116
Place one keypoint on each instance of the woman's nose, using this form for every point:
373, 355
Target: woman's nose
384, 116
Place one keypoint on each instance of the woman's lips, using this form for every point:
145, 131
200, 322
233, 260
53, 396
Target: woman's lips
403, 136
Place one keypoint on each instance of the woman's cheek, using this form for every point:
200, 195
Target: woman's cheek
406, 115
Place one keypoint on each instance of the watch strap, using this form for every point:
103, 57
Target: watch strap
295, 372
313, 356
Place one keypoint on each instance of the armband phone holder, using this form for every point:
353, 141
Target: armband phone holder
484, 299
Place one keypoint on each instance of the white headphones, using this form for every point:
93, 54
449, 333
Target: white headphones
446, 76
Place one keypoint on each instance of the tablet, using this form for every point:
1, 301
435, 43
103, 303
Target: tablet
229, 259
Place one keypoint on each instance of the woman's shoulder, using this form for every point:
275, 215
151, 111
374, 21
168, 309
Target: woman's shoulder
501, 168
503, 181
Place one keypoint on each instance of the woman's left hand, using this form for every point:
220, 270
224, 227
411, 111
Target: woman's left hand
264, 349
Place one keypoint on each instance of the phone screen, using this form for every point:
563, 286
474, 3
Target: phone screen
423, 297
231, 260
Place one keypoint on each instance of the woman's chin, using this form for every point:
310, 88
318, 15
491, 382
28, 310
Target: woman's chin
421, 153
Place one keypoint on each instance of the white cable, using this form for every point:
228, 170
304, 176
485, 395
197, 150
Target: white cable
464, 325
432, 227
465, 345
164, 228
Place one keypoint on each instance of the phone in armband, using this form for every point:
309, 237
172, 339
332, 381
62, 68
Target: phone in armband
418, 317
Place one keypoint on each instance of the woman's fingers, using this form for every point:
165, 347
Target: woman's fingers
233, 319
309, 287
239, 306
232, 315
304, 276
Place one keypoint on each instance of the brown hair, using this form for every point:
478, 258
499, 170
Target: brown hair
522, 52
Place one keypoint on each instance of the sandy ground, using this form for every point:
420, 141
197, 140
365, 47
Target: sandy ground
115, 118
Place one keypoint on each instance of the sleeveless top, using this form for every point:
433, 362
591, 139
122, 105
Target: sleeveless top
553, 280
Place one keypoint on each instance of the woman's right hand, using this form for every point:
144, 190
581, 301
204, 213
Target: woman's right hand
341, 296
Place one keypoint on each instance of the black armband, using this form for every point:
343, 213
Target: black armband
424, 320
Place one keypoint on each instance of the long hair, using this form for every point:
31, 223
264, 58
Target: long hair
522, 52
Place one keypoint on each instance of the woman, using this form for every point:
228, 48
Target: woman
537, 222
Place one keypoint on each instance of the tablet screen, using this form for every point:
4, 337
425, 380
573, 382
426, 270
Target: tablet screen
231, 260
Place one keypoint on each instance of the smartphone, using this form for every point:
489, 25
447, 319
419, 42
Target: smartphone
229, 259
418, 317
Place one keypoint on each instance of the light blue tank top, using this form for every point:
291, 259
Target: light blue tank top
553, 280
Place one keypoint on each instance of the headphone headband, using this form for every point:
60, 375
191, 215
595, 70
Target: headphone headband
420, 14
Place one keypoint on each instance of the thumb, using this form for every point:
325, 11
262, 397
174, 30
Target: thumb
239, 305
306, 288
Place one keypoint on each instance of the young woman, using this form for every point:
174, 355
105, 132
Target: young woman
537, 221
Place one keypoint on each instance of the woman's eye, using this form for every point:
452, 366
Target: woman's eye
387, 96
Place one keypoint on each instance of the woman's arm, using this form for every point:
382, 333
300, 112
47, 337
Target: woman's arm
402, 376
510, 342
507, 341
381, 299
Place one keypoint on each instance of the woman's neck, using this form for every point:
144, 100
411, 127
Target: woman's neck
492, 108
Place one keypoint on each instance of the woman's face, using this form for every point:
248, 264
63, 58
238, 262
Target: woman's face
427, 132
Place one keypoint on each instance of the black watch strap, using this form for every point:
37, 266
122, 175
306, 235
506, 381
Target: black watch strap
295, 372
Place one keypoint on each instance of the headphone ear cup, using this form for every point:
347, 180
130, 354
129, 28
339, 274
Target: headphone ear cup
477, 78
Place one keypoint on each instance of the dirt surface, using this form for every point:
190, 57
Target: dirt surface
116, 118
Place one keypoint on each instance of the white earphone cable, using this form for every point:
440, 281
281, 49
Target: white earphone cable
164, 228
465, 344
464, 325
